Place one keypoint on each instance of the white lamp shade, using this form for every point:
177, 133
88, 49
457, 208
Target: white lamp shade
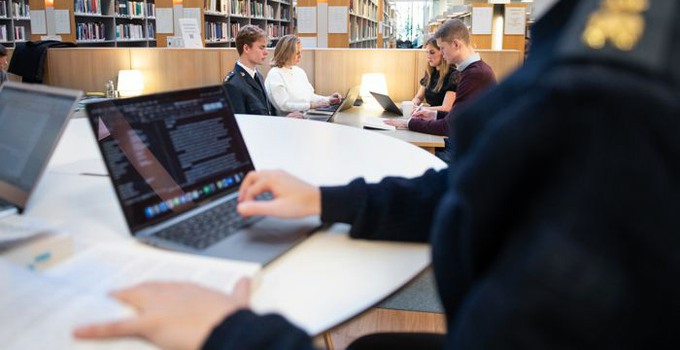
373, 82
130, 83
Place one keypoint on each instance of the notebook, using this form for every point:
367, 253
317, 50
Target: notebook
386, 102
326, 114
176, 161
32, 119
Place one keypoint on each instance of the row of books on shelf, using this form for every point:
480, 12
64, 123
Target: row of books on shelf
240, 8
221, 6
88, 6
136, 8
3, 9
365, 9
216, 31
19, 33
134, 31
276, 30
19, 9
367, 31
90, 31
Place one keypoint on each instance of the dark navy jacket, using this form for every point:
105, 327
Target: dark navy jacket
558, 227
245, 94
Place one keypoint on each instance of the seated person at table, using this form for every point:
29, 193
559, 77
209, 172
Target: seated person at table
476, 77
245, 84
287, 85
558, 231
4, 62
438, 86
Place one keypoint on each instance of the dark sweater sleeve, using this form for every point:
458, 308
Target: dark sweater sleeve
395, 209
245, 330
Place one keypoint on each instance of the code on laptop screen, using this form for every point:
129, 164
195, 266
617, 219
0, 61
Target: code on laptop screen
168, 152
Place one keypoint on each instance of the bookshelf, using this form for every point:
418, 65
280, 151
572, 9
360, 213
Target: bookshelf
115, 23
15, 22
387, 36
224, 18
363, 23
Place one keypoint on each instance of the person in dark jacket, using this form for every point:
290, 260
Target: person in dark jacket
245, 84
558, 227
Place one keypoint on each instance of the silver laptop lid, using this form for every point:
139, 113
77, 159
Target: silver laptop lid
32, 119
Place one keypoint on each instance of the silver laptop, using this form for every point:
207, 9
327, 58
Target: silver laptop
32, 118
326, 114
176, 161
386, 103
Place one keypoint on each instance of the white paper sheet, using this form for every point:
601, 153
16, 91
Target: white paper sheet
481, 20
515, 21
337, 19
62, 21
308, 42
190, 33
39, 309
38, 25
306, 19
164, 21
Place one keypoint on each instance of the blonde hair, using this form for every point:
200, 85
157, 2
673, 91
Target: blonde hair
443, 68
285, 50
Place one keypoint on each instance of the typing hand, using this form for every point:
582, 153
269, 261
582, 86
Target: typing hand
296, 115
317, 104
399, 123
336, 98
424, 113
293, 198
171, 315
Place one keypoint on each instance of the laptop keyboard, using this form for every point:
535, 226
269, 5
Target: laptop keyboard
209, 227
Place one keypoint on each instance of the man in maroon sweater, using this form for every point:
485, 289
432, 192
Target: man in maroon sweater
476, 76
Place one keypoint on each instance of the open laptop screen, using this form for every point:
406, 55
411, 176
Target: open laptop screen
171, 152
32, 119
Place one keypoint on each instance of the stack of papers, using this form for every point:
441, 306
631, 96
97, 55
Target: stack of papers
376, 123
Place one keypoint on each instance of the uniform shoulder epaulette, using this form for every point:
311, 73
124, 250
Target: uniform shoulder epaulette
634, 33
229, 76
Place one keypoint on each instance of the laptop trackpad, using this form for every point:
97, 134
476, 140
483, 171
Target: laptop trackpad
265, 240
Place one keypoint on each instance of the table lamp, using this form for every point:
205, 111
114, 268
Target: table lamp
130, 83
373, 82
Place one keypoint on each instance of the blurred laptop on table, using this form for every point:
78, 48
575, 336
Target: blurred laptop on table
326, 114
176, 160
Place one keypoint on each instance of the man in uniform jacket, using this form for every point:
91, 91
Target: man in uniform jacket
557, 229
245, 85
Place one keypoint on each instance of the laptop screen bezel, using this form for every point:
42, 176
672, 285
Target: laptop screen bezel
10, 192
133, 226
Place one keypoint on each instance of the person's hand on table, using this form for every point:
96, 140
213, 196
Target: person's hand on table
171, 315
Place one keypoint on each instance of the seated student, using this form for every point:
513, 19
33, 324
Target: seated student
476, 77
287, 85
438, 86
558, 230
245, 85
4, 62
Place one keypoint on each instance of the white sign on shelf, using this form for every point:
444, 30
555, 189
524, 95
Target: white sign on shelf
515, 21
62, 21
337, 19
164, 21
306, 19
481, 20
191, 33
38, 25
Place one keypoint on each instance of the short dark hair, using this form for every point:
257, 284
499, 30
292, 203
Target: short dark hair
3, 50
247, 35
453, 29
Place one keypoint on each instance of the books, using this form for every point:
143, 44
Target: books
38, 308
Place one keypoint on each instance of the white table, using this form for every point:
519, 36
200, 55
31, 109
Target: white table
320, 283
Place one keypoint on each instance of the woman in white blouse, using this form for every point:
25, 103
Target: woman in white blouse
287, 85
